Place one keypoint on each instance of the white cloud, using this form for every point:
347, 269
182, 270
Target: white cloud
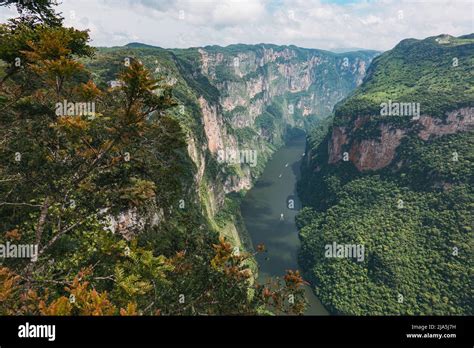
309, 23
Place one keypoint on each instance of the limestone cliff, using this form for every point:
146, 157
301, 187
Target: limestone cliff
377, 152
405, 77
265, 89
248, 97
237, 104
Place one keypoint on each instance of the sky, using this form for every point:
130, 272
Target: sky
323, 24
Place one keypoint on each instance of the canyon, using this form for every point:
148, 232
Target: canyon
256, 97
214, 180
243, 98
399, 186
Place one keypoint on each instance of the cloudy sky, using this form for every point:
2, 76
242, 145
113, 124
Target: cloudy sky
325, 24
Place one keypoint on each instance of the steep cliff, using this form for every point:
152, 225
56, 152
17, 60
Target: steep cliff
264, 90
391, 175
373, 153
422, 88
237, 104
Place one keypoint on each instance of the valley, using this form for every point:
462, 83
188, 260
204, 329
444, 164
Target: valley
238, 180
399, 186
274, 195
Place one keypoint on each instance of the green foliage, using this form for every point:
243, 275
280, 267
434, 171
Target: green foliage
408, 251
443, 161
414, 217
435, 74
230, 210
37, 10
101, 193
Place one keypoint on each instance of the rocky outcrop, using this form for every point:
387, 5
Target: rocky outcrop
213, 125
460, 120
235, 183
336, 142
131, 222
376, 153
260, 73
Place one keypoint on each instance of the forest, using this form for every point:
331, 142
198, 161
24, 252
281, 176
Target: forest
415, 215
65, 176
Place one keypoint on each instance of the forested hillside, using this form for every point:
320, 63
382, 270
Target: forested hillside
401, 186
111, 166
97, 178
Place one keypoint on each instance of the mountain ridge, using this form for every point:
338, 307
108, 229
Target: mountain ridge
236, 98
400, 185
262, 44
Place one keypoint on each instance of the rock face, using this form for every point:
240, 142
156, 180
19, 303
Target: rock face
336, 143
130, 222
435, 100
243, 98
376, 153
252, 76
460, 120
263, 89
213, 126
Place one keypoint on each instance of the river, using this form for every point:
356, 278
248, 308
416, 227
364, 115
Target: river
262, 208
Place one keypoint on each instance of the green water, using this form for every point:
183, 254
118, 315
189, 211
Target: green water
262, 209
